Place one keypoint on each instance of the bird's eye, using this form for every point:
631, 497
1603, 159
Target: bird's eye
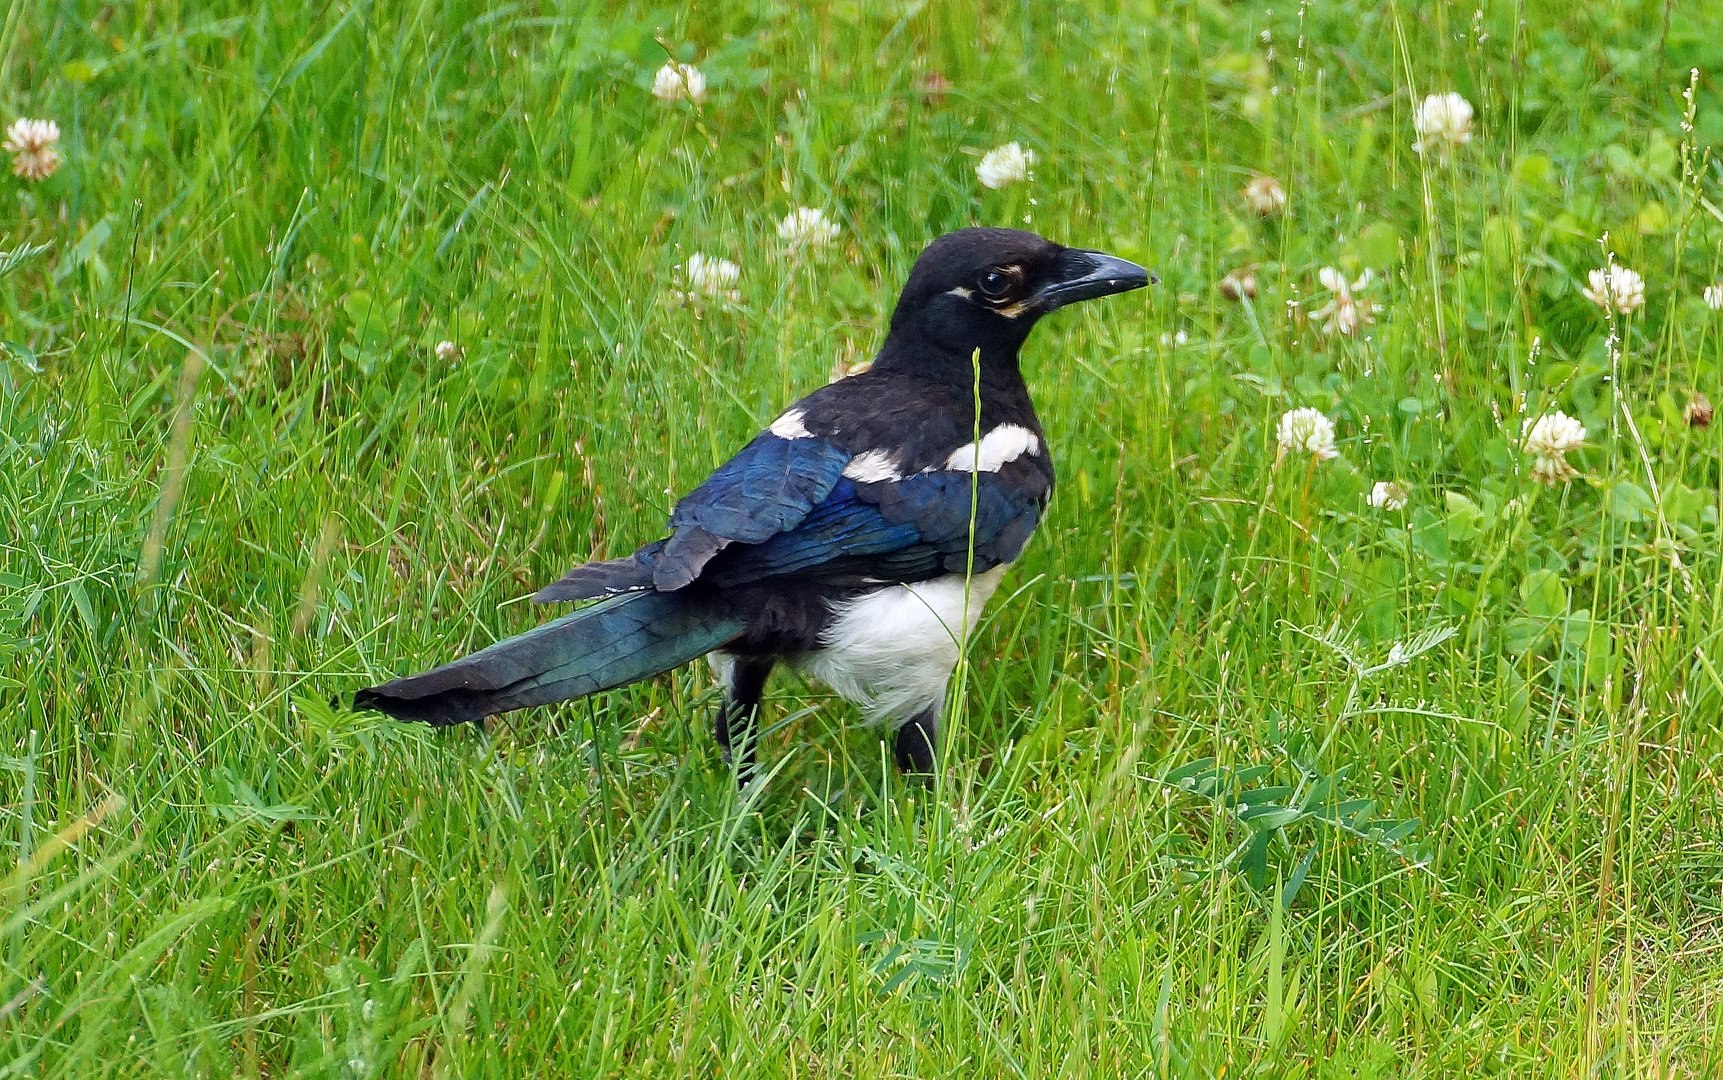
996, 282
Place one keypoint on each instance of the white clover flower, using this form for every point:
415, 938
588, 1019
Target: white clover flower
806, 227
1554, 435
447, 351
1714, 296
1550, 471
1264, 196
1443, 123
1002, 165
1615, 287
1306, 431
1345, 313
1388, 495
33, 145
708, 277
1549, 439
679, 82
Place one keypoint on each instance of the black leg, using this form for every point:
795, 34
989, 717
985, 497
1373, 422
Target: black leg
916, 742
735, 727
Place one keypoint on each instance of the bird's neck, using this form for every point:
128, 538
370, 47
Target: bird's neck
1003, 393
994, 365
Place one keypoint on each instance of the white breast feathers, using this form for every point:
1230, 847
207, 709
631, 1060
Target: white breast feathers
892, 651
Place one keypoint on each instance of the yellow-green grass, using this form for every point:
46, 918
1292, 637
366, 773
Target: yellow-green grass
235, 480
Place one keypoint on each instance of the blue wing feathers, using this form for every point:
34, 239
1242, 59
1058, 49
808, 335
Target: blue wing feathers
765, 490
782, 507
840, 527
899, 530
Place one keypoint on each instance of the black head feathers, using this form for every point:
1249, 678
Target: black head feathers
986, 288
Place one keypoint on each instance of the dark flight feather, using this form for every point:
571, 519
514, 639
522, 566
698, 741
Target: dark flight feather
613, 643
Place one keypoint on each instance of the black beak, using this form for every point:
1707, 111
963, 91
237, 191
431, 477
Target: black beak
1084, 275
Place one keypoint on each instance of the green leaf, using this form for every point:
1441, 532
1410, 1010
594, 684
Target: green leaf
893, 984
1544, 594
1536, 171
18, 256
1250, 774
358, 304
1254, 859
1430, 536
1398, 831
23, 354
1190, 770
1319, 795
1653, 219
1257, 798
1465, 517
1270, 818
1289, 890
1588, 642
87, 250
1660, 155
1404, 652
1600, 656
1630, 503
81, 601
1503, 242
1349, 809
1521, 634
1378, 244
1685, 504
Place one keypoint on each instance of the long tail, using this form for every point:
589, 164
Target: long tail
613, 643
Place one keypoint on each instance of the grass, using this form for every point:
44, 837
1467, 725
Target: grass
1192, 823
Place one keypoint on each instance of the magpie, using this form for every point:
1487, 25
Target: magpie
856, 539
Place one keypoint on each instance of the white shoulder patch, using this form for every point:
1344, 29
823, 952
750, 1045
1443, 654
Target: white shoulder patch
1007, 442
872, 467
790, 426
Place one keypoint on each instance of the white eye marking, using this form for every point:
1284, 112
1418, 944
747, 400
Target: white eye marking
967, 294
1005, 443
1013, 310
790, 426
873, 467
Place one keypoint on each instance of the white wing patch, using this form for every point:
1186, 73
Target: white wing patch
872, 467
1005, 443
790, 426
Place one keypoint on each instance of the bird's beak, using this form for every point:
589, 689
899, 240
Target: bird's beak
1084, 275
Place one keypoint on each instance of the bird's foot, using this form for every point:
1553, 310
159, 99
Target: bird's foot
913, 745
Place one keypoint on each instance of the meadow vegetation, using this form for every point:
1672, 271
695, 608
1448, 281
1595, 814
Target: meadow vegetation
336, 329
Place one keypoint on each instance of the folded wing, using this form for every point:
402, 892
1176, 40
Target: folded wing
769, 487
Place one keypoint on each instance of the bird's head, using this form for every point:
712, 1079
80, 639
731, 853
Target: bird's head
986, 288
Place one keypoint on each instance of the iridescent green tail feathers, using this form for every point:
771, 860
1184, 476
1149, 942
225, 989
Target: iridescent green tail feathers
612, 643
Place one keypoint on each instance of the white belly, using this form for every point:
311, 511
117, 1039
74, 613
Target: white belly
893, 651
